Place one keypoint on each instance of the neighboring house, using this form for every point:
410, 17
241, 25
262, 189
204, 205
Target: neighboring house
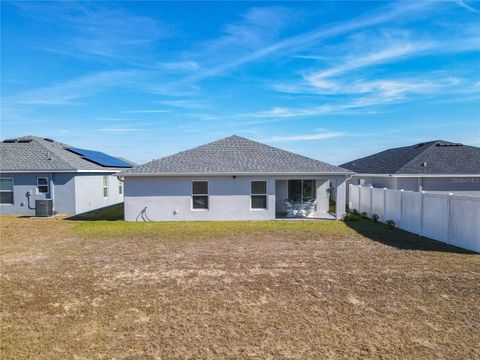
77, 180
229, 179
435, 166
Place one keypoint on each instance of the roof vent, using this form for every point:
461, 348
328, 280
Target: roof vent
419, 145
424, 164
47, 139
10, 141
24, 141
448, 144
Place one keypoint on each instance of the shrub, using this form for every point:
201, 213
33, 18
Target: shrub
364, 215
354, 212
391, 224
375, 218
350, 216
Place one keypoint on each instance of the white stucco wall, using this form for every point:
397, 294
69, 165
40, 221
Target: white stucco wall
89, 192
169, 199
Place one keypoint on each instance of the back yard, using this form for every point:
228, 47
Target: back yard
115, 290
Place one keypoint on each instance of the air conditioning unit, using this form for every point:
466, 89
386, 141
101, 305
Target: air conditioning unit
44, 208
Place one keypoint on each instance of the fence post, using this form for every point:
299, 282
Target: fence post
359, 198
449, 224
401, 207
371, 201
421, 212
384, 205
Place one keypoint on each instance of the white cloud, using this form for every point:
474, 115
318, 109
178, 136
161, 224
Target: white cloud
394, 52
298, 42
179, 65
146, 111
118, 130
67, 92
305, 137
466, 6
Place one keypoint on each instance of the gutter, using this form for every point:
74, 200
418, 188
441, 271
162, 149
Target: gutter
237, 174
417, 175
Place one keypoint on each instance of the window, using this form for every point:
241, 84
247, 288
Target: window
258, 195
105, 186
120, 186
200, 195
42, 185
6, 191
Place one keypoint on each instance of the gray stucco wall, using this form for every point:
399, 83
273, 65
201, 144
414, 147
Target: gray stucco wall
170, 198
64, 193
456, 185
89, 192
73, 193
23, 183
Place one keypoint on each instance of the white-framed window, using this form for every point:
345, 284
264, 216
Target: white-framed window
42, 185
258, 195
105, 186
120, 186
200, 195
6, 191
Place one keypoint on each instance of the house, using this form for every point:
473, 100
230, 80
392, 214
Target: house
435, 166
76, 180
230, 179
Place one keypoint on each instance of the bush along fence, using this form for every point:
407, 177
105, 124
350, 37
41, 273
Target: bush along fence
448, 218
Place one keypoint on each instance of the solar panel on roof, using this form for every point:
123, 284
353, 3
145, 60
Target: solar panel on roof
99, 158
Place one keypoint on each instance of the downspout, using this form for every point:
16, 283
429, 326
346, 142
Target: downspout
52, 192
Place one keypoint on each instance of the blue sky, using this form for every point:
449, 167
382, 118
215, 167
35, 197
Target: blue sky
330, 80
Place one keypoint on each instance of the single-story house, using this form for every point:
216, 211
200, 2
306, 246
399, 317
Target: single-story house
435, 166
230, 179
75, 180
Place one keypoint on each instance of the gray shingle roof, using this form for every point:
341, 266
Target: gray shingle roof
433, 157
234, 155
32, 153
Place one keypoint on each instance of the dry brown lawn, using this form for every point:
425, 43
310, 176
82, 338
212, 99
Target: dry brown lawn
275, 290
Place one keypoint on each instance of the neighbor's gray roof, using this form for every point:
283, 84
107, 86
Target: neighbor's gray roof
234, 155
433, 157
34, 153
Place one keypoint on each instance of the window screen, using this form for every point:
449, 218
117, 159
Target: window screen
42, 185
258, 191
200, 195
6, 191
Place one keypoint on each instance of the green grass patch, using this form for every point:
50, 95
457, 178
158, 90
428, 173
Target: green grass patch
108, 213
207, 229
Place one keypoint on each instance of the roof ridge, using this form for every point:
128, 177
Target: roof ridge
59, 156
431, 143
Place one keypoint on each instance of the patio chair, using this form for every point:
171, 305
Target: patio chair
305, 209
291, 209
310, 208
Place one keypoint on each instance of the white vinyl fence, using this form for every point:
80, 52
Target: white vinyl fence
448, 218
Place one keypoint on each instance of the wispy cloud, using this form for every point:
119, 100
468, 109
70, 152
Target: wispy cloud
185, 103
118, 130
468, 7
67, 92
179, 65
303, 40
305, 137
146, 111
390, 53
96, 31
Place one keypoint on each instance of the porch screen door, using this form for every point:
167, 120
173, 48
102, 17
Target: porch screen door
301, 190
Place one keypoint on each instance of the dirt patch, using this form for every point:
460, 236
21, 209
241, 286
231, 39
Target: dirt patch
71, 290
